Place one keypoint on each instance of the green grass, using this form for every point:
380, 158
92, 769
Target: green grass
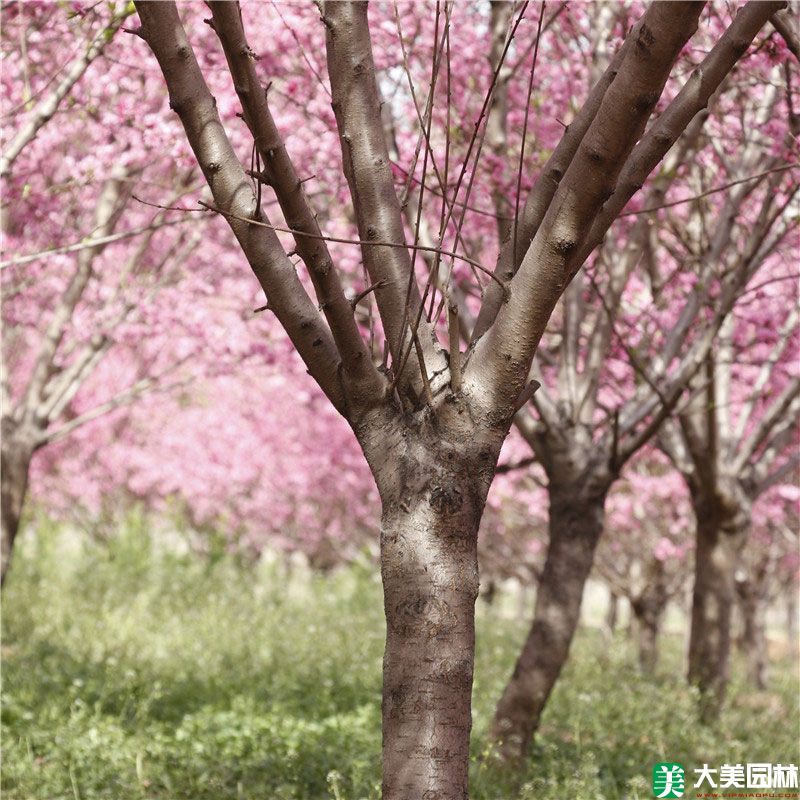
133, 673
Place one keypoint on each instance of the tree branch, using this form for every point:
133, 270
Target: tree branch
232, 192
692, 99
782, 21
90, 242
282, 176
111, 203
365, 157
502, 357
540, 196
769, 419
48, 106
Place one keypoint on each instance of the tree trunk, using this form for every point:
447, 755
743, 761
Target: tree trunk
648, 644
429, 564
433, 490
753, 640
612, 614
15, 455
576, 522
719, 538
648, 627
648, 609
791, 623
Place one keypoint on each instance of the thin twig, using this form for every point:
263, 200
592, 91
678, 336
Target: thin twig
455, 352
716, 189
76, 247
342, 240
525, 129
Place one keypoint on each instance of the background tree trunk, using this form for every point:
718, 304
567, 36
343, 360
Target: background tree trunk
648, 608
576, 522
612, 614
16, 453
648, 627
718, 541
753, 638
792, 622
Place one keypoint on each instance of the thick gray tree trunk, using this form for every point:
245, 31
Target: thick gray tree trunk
433, 485
429, 563
575, 526
15, 453
720, 536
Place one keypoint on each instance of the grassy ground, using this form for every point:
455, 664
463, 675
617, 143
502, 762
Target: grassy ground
131, 674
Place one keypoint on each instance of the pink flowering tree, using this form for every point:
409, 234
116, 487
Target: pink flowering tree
98, 306
766, 573
256, 482
734, 441
634, 329
429, 418
645, 554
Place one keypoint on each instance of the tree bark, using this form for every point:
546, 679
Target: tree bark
576, 522
648, 626
719, 537
433, 483
430, 580
15, 454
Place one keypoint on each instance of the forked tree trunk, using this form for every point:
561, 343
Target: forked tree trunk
719, 539
15, 454
575, 525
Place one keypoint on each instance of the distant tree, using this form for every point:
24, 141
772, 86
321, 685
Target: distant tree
645, 554
636, 327
92, 279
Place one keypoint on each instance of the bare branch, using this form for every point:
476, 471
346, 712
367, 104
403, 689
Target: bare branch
110, 205
90, 242
723, 187
778, 476
782, 21
766, 370
118, 401
361, 242
502, 357
541, 194
356, 104
282, 176
769, 419
233, 193
692, 99
455, 350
